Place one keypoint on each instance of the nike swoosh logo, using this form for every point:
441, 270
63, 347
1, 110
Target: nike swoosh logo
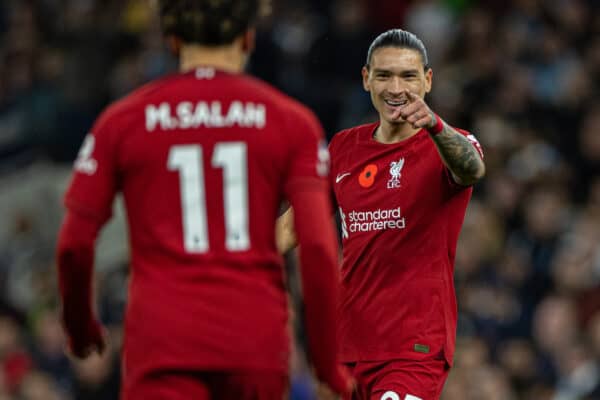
339, 178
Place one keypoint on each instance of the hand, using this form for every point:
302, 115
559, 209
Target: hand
324, 392
341, 387
416, 112
95, 341
285, 236
95, 368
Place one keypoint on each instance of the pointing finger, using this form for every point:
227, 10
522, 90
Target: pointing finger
422, 123
409, 109
397, 114
410, 95
417, 115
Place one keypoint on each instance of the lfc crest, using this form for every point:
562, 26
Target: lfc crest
396, 173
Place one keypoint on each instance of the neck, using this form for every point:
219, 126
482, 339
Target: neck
226, 58
393, 133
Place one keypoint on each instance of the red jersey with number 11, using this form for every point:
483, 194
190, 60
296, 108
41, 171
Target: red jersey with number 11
203, 160
401, 214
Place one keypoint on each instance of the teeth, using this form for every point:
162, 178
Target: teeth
395, 103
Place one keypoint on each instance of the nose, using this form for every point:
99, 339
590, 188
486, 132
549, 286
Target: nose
396, 85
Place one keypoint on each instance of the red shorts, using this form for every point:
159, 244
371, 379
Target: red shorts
399, 379
185, 385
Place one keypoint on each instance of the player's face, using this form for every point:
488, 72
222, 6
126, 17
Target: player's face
393, 70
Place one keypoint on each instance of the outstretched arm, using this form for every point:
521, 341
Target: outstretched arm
458, 153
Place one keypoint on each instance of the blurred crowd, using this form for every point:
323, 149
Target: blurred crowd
522, 75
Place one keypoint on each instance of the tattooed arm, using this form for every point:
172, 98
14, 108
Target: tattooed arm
459, 154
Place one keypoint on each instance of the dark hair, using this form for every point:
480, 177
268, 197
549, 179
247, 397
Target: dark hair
208, 22
398, 38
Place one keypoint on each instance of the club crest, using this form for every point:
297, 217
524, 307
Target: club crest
396, 173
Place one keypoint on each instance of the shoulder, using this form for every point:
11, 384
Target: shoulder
471, 138
461, 131
351, 135
111, 117
466, 134
127, 107
132, 106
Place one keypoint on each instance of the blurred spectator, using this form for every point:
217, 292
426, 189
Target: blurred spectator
38, 386
15, 361
579, 374
49, 354
432, 21
336, 59
518, 358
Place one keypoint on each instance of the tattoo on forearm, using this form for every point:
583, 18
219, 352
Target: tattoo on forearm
459, 155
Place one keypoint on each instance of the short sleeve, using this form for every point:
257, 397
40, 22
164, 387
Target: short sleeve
94, 181
473, 140
308, 166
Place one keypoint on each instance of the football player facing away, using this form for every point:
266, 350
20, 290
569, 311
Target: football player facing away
204, 158
402, 186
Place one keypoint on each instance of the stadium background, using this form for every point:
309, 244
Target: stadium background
523, 75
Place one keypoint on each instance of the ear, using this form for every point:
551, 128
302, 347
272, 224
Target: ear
365, 76
428, 80
174, 44
249, 41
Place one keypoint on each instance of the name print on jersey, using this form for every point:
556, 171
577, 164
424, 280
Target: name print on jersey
187, 115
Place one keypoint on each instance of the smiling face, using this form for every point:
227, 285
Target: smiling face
392, 70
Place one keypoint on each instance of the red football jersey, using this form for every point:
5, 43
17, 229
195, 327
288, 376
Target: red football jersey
401, 214
204, 160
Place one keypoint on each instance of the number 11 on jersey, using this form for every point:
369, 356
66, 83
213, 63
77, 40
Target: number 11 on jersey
232, 158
